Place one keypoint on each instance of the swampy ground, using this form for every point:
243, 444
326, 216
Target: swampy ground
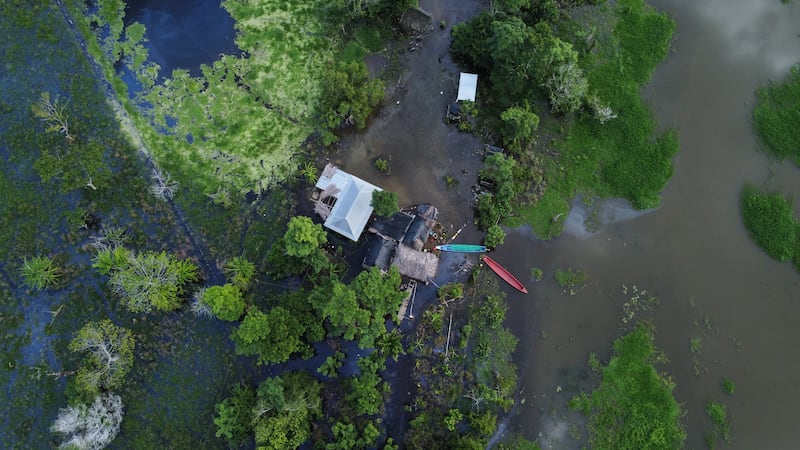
714, 286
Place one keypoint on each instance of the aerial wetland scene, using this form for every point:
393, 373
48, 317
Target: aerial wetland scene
400, 224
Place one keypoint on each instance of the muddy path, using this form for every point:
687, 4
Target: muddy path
411, 132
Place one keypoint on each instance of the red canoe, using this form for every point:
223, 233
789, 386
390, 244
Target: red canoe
504, 274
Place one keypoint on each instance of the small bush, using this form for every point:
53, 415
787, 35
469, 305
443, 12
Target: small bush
383, 165
568, 278
39, 273
495, 236
384, 203
728, 386
718, 413
226, 301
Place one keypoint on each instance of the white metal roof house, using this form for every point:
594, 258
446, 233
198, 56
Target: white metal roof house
345, 202
467, 85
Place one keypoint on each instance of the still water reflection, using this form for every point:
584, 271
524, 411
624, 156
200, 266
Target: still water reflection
693, 253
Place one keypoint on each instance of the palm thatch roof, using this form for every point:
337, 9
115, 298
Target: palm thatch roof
415, 264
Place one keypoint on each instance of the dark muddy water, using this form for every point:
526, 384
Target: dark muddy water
182, 34
693, 253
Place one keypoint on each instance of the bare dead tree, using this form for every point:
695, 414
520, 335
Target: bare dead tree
110, 237
163, 187
568, 87
476, 397
90, 427
52, 113
603, 113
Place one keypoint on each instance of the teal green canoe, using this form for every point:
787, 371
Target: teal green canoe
463, 248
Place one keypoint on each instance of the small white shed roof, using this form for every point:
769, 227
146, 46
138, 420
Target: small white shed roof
353, 206
467, 85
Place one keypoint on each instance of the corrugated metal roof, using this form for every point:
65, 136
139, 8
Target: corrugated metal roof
353, 206
467, 85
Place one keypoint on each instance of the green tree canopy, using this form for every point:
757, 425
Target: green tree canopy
494, 207
519, 126
299, 251
226, 301
350, 94
378, 292
384, 203
109, 355
240, 272
776, 115
303, 236
233, 416
495, 236
272, 336
151, 280
284, 409
359, 311
510, 6
337, 303
347, 437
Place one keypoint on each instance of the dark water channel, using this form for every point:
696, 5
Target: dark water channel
184, 34
693, 253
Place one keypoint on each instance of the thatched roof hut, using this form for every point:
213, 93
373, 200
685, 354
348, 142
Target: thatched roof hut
415, 264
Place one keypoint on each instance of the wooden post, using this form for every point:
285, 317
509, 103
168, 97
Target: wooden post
447, 347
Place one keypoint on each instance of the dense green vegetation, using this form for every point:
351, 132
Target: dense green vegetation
576, 75
57, 196
633, 406
720, 423
384, 203
283, 408
146, 379
776, 115
463, 374
769, 218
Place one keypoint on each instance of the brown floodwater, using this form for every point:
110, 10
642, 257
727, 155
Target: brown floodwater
693, 253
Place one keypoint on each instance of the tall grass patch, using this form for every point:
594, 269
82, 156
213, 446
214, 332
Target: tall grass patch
623, 156
633, 407
770, 221
776, 115
632, 162
288, 48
